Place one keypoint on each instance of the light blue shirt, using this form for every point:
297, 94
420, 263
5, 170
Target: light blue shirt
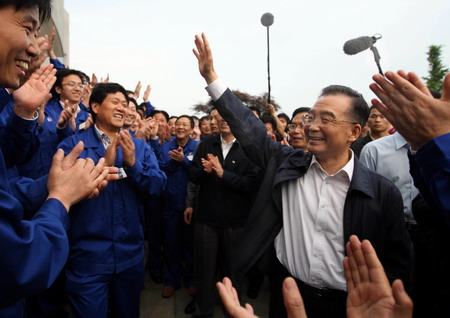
388, 156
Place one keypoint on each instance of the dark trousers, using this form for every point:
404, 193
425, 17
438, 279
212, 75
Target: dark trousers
153, 235
213, 247
318, 303
177, 250
106, 295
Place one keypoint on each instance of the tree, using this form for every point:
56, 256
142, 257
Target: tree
437, 70
259, 101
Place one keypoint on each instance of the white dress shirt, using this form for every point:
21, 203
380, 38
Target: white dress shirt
226, 146
311, 243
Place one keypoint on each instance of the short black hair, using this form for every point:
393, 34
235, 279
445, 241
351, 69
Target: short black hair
191, 120
300, 110
256, 109
101, 91
172, 117
62, 73
285, 117
131, 99
44, 6
359, 110
203, 119
165, 114
266, 118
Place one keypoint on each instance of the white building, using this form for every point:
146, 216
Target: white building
59, 19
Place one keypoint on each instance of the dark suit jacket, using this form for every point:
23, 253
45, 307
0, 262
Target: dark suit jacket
224, 202
373, 207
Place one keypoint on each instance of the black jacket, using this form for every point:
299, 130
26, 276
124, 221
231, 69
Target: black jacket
373, 207
224, 202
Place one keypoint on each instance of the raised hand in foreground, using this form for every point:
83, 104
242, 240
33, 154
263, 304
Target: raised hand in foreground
369, 291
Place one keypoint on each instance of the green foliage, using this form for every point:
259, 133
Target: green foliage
437, 70
260, 101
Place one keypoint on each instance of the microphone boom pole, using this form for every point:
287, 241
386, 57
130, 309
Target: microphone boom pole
267, 21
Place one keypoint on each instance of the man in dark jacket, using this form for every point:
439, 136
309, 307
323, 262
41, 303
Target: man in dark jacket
309, 204
227, 180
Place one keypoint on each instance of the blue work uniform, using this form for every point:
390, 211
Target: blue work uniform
174, 204
105, 267
33, 252
49, 136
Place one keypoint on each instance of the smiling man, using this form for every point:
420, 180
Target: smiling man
55, 127
35, 251
310, 203
105, 270
296, 130
227, 181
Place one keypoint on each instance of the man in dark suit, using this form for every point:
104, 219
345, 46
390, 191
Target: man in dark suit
227, 181
309, 204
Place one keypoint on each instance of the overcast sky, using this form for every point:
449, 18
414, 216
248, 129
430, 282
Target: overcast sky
152, 41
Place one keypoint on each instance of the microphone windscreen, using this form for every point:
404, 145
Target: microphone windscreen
267, 19
357, 45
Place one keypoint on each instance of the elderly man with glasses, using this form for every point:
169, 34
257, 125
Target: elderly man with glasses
310, 203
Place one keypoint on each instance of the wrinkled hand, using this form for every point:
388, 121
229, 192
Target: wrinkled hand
270, 110
41, 110
111, 152
37, 61
137, 90
177, 154
369, 292
284, 142
88, 123
230, 300
76, 182
204, 58
87, 91
293, 299
409, 106
128, 148
154, 127
66, 116
145, 129
34, 91
188, 215
50, 41
147, 93
207, 165
106, 80
70, 160
215, 165
94, 80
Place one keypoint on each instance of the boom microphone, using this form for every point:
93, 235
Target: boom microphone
354, 46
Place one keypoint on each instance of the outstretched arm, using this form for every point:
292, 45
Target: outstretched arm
248, 129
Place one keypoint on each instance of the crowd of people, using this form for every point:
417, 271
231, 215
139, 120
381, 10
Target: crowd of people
344, 207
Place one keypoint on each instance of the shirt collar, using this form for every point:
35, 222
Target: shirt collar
224, 143
400, 142
106, 141
347, 169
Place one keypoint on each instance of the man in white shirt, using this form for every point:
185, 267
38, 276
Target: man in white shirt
322, 197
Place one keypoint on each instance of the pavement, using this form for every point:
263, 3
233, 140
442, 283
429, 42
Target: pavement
154, 306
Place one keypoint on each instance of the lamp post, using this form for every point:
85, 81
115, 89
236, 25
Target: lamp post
267, 21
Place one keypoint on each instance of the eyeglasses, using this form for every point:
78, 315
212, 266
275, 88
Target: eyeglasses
73, 84
295, 126
323, 121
